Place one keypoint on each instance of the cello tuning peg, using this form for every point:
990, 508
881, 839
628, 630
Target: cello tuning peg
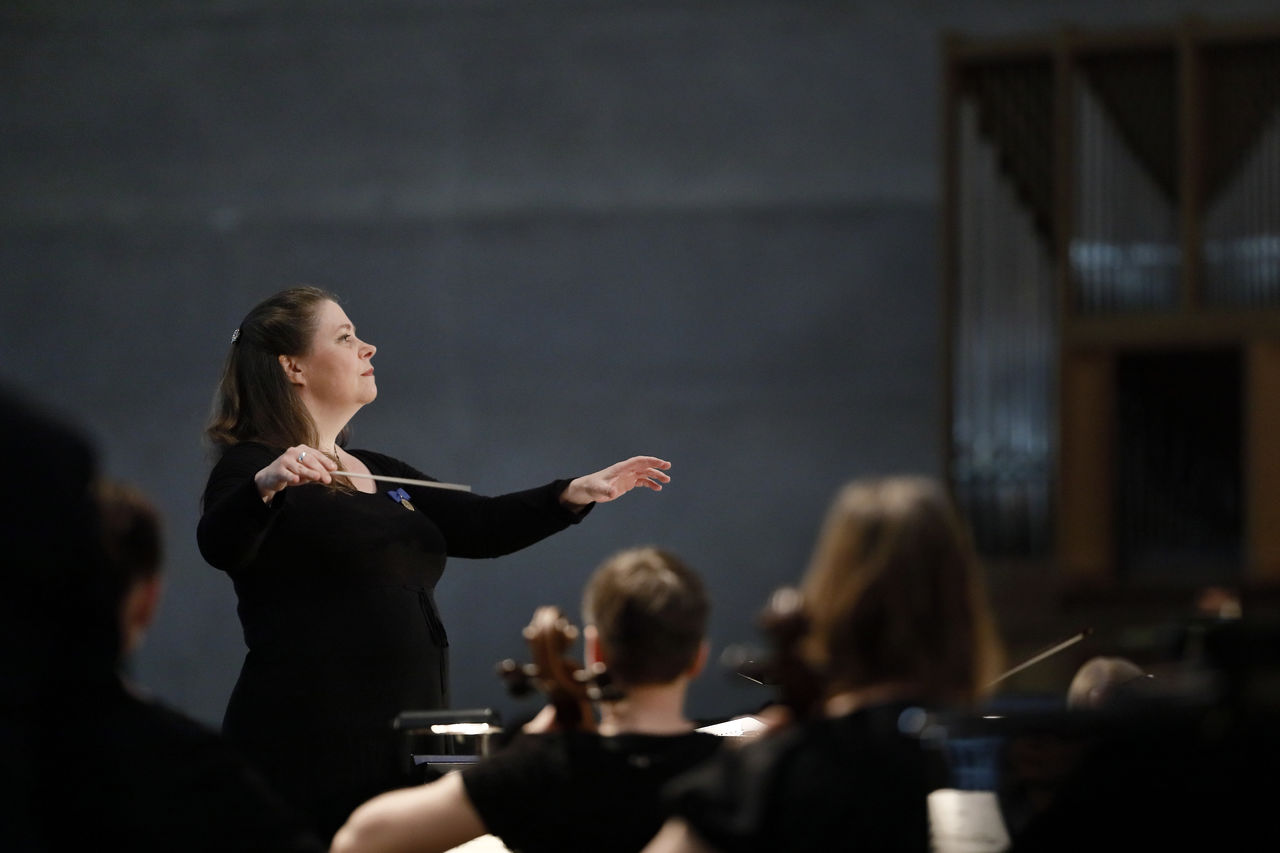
517, 677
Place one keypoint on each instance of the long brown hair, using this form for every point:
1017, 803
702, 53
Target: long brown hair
254, 400
895, 594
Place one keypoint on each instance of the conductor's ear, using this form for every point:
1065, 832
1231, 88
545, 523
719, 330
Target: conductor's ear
292, 370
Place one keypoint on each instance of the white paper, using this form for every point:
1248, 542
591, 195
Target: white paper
966, 822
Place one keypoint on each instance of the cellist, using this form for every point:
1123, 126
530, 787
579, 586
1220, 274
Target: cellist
585, 773
895, 621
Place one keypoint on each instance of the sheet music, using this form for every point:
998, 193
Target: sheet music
736, 727
966, 822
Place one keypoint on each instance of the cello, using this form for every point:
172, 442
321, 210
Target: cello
798, 685
571, 689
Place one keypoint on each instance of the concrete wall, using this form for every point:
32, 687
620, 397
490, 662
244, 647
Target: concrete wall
575, 230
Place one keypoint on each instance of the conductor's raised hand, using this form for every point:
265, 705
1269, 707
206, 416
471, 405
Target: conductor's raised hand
617, 480
297, 465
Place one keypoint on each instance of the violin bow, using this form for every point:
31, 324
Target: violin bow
1067, 643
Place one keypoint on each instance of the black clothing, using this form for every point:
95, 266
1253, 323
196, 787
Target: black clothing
562, 792
852, 782
124, 772
86, 764
1160, 778
336, 601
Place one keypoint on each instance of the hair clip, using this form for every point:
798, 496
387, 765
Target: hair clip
235, 336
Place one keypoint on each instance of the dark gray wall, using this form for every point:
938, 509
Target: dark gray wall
575, 230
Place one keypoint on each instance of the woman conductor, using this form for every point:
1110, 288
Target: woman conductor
334, 575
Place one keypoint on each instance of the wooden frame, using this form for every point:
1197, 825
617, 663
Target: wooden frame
1084, 514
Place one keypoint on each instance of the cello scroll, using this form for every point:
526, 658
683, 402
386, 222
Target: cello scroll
570, 688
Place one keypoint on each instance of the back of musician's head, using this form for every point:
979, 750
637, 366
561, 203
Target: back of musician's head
895, 593
650, 611
57, 624
1101, 680
132, 545
130, 533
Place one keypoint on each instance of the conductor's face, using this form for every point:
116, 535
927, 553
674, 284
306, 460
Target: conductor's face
336, 374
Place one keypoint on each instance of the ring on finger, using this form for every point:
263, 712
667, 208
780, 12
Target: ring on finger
302, 455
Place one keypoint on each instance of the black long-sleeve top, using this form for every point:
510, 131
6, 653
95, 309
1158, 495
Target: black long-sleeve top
123, 771
335, 599
854, 782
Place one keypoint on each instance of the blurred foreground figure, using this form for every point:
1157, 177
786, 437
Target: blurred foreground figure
1167, 759
90, 762
898, 622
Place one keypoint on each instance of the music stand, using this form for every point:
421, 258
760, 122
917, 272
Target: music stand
454, 738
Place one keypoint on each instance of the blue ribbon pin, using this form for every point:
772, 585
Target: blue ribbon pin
401, 497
